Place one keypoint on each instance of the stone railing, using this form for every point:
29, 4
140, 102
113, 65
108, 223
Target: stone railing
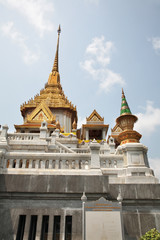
63, 149
46, 164
23, 136
111, 162
81, 150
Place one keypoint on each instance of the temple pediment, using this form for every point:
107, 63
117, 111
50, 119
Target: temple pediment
95, 117
41, 113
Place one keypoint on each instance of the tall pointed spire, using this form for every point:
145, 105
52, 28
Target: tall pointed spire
124, 106
55, 65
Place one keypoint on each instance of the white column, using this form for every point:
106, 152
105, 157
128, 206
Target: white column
87, 134
103, 134
65, 124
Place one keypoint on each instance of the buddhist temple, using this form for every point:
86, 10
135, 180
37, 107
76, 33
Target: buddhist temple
94, 127
50, 105
58, 182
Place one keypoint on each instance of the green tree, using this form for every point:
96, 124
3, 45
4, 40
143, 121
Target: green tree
153, 234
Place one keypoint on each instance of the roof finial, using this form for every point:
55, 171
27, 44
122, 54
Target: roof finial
55, 66
124, 105
122, 93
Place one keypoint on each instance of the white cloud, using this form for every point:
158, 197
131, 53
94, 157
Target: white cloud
155, 44
37, 12
98, 57
81, 121
149, 120
154, 164
10, 31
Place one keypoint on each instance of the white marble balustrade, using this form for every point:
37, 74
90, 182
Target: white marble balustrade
23, 136
46, 164
111, 163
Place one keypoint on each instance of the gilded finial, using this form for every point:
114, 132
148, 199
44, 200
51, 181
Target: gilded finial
55, 65
58, 125
122, 93
59, 29
74, 125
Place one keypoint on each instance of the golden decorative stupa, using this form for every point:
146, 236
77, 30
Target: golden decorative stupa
51, 105
126, 122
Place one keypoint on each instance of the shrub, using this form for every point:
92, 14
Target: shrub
153, 234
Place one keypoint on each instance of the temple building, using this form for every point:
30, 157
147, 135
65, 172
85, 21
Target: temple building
51, 105
51, 173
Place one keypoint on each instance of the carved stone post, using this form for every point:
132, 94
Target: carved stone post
95, 159
3, 136
43, 130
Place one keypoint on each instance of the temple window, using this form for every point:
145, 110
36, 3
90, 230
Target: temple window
21, 225
68, 228
44, 230
33, 227
97, 134
56, 228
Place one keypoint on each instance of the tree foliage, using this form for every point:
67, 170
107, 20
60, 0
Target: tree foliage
153, 234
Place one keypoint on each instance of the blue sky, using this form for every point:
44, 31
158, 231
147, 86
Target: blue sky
104, 45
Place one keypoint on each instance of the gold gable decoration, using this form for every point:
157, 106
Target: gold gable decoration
116, 129
41, 113
95, 117
40, 117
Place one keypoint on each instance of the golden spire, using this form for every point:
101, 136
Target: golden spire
55, 65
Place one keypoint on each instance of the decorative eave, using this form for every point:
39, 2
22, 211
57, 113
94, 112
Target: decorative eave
95, 126
33, 125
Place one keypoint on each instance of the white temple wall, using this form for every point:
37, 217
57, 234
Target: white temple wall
64, 119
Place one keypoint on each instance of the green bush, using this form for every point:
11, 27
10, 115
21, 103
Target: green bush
153, 234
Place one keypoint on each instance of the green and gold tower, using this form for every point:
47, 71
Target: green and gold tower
126, 121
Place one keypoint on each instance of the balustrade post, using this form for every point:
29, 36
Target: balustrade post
70, 164
11, 163
63, 164
37, 164
53, 138
23, 163
3, 136
50, 164
95, 159
76, 164
17, 163
111, 145
57, 164
30, 163
43, 130
86, 165
83, 164
43, 164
